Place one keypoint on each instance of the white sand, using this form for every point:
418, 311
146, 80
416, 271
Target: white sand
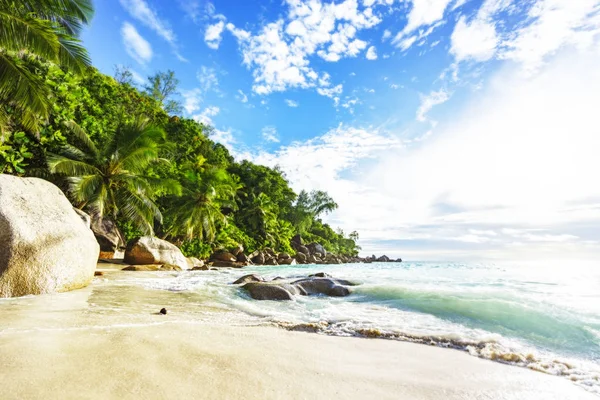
179, 360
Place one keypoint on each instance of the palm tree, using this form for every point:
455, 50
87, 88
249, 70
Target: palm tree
41, 28
308, 207
198, 212
260, 217
110, 180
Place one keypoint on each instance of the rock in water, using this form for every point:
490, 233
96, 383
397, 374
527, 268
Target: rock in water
152, 250
248, 278
269, 291
45, 246
326, 286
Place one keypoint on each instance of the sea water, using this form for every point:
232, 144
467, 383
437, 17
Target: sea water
541, 316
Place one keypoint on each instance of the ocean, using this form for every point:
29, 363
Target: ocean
541, 316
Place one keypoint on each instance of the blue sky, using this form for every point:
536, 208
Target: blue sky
445, 129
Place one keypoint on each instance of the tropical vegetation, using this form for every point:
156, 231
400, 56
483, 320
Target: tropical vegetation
124, 152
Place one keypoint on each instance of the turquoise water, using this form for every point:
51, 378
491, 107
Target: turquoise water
545, 317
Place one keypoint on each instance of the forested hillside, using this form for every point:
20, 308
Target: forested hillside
123, 152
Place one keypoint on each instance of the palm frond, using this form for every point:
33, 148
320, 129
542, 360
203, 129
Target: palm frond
20, 87
83, 137
68, 167
25, 32
138, 209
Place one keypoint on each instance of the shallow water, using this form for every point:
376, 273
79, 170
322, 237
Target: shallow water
544, 317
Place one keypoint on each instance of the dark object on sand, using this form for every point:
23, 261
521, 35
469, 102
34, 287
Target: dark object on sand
163, 311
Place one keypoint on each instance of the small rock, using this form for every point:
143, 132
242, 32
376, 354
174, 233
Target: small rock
170, 267
98, 273
320, 275
163, 311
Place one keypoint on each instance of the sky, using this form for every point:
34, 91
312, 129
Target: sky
448, 130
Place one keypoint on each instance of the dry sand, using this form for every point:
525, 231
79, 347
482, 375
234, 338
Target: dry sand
204, 361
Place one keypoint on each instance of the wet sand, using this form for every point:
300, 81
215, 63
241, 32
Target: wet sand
184, 360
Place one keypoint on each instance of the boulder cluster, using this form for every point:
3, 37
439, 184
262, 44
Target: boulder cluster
153, 254
281, 289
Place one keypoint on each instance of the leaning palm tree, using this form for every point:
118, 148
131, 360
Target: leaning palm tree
111, 180
41, 28
198, 212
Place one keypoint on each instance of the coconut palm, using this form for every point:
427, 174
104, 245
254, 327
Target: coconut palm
111, 180
41, 28
198, 212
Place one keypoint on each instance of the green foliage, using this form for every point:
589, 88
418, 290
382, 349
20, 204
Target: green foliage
45, 29
196, 248
117, 150
15, 153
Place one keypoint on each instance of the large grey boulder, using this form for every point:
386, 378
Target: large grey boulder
152, 250
45, 246
272, 291
326, 286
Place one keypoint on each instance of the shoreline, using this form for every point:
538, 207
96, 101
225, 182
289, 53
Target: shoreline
200, 360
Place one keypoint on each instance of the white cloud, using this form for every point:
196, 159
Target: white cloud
430, 101
425, 13
140, 10
317, 163
191, 100
386, 35
371, 53
135, 45
555, 24
205, 117
269, 133
241, 96
224, 137
213, 33
279, 54
291, 103
208, 78
330, 92
476, 40
549, 26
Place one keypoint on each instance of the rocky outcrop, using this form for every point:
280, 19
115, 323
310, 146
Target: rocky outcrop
222, 255
152, 250
45, 246
317, 249
239, 249
107, 234
226, 264
280, 289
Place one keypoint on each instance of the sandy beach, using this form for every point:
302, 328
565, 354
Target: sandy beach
194, 360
